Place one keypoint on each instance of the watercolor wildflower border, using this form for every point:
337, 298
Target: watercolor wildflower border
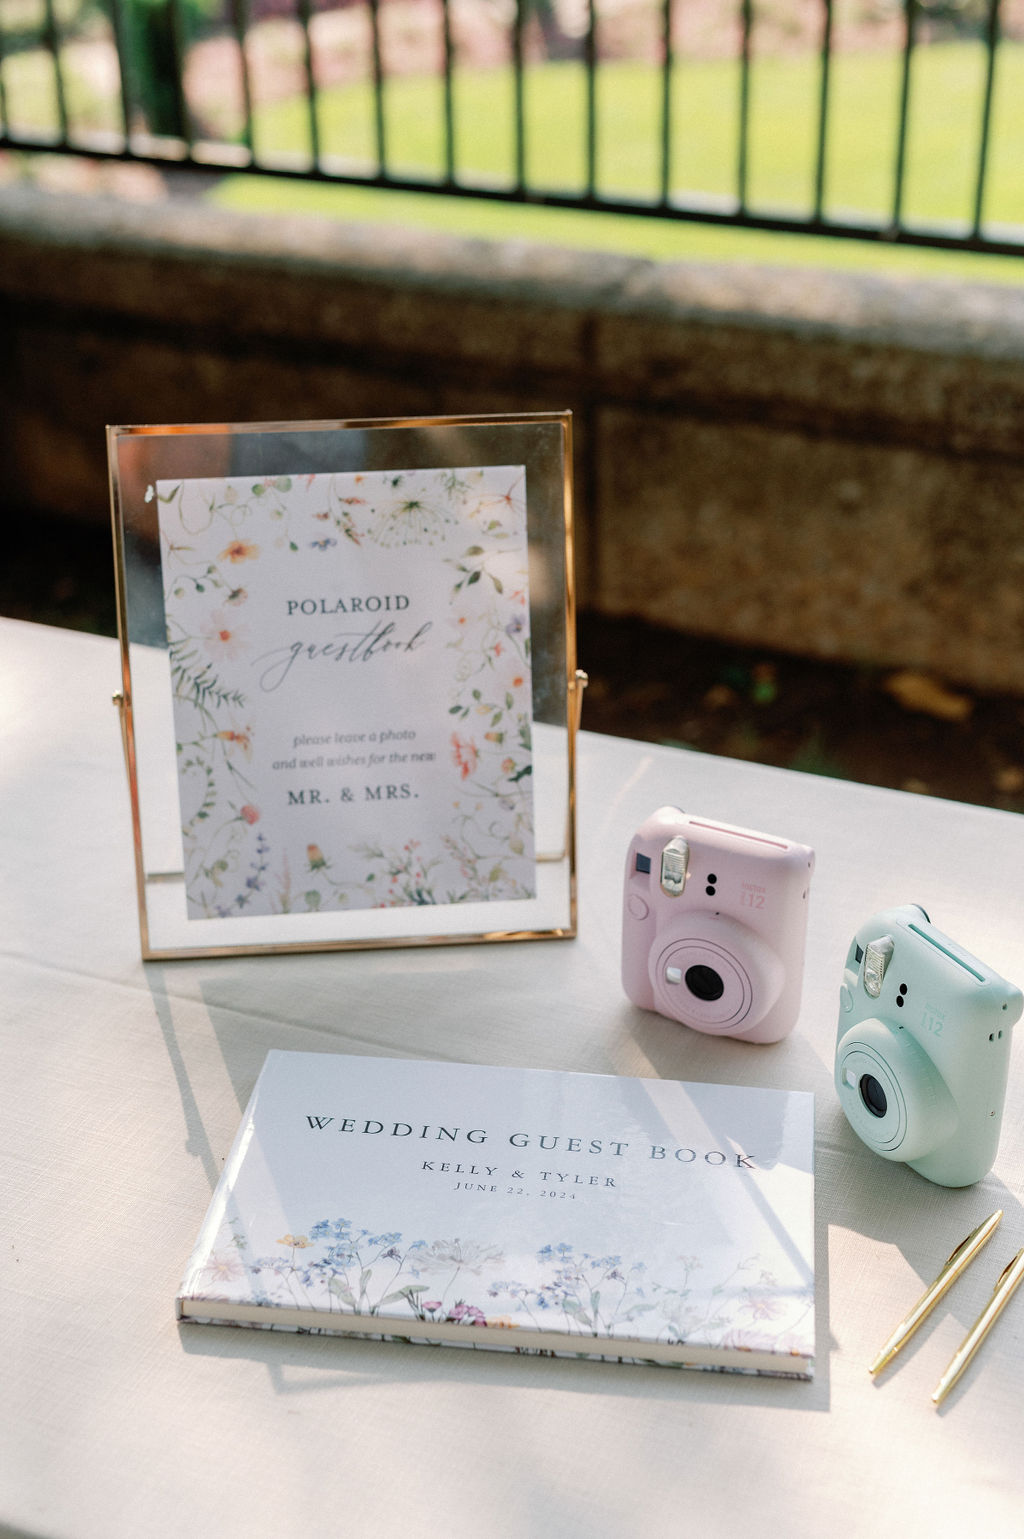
486, 852
339, 1268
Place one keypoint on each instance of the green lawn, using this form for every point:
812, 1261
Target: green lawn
939, 186
946, 107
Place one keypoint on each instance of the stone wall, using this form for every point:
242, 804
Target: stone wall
825, 463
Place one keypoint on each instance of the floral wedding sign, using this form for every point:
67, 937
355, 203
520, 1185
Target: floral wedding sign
350, 669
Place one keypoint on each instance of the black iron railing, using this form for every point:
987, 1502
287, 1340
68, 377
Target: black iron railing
143, 81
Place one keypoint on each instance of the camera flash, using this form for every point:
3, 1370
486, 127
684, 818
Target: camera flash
876, 960
675, 858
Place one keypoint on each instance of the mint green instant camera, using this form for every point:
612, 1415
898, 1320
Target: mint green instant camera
923, 1047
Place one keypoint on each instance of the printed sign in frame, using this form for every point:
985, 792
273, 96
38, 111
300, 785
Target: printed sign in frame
349, 688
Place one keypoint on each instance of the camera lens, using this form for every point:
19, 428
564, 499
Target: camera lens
704, 982
873, 1096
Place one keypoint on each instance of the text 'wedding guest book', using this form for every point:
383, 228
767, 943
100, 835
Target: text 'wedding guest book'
524, 1210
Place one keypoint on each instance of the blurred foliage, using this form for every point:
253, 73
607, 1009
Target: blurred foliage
898, 728
157, 36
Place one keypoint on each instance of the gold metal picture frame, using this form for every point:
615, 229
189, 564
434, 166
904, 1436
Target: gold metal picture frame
350, 695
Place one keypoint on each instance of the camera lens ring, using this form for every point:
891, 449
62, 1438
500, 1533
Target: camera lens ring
695, 960
858, 1061
921, 1113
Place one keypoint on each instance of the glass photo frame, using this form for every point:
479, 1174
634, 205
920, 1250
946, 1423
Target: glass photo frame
350, 694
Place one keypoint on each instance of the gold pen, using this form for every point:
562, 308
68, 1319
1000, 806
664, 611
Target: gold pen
1010, 1280
957, 1263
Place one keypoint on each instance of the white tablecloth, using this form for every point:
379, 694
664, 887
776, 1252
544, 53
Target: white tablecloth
121, 1087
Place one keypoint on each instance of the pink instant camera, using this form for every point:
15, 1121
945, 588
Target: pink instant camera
715, 924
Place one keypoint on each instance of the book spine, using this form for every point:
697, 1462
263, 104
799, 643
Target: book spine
218, 1203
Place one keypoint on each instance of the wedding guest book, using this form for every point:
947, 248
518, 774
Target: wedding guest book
525, 1210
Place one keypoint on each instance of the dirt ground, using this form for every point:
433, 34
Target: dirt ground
877, 726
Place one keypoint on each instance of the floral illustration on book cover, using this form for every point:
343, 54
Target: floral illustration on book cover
613, 1303
351, 679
